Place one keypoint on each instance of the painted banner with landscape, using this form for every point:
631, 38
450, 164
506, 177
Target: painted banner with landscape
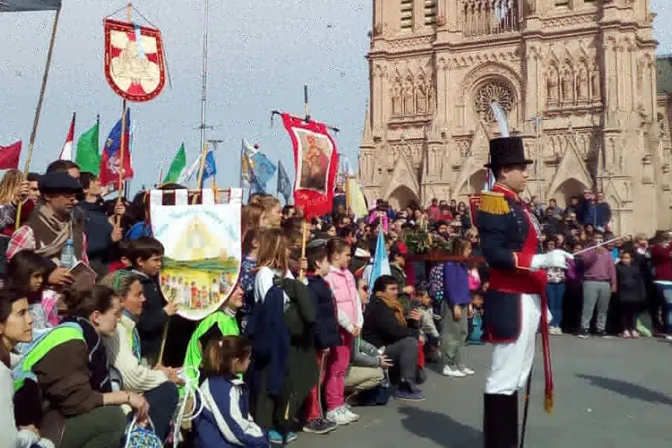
202, 254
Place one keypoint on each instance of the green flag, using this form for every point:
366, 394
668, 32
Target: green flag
177, 166
88, 157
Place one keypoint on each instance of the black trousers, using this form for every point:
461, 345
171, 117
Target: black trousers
162, 404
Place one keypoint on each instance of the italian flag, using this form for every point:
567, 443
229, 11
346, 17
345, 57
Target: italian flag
177, 166
66, 152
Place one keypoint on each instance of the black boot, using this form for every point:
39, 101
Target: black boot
500, 421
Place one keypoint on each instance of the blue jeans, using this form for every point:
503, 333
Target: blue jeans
555, 293
665, 292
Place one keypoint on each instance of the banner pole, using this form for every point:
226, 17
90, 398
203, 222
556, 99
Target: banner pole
303, 247
38, 109
306, 105
124, 125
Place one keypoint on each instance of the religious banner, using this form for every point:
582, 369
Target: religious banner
316, 163
203, 252
134, 60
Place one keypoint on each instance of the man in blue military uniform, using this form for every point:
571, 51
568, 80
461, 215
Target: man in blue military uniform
515, 305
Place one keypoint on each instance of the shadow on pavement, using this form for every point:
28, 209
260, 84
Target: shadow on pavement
627, 389
439, 428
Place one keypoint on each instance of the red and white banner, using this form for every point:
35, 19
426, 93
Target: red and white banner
134, 60
9, 156
66, 151
315, 162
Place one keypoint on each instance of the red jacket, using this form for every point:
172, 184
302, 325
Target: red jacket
661, 258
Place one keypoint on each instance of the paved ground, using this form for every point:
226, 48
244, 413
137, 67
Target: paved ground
609, 393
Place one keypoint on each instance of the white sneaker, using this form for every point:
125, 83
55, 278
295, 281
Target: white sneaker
453, 373
351, 415
339, 416
466, 370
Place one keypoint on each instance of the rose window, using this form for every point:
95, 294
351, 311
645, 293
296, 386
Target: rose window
490, 92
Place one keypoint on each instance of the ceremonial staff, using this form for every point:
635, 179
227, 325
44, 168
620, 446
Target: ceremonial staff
38, 109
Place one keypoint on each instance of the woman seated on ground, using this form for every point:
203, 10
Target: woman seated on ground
79, 413
158, 386
385, 325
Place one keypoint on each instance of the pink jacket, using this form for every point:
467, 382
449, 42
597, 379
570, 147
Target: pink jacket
344, 287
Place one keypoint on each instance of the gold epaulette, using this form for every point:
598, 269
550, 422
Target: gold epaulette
494, 203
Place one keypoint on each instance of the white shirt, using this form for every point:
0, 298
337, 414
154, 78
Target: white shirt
264, 281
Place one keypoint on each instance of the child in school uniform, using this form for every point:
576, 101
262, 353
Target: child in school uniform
326, 335
225, 420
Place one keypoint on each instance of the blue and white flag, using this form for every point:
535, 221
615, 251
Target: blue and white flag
381, 264
284, 185
262, 168
210, 168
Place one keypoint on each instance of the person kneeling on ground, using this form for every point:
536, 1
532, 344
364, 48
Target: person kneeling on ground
386, 327
366, 375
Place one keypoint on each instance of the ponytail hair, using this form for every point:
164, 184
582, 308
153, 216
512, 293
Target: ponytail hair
83, 302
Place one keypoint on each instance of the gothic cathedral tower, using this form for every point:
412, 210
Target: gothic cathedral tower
576, 78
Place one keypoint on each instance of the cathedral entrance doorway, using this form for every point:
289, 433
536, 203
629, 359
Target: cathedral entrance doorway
567, 189
402, 197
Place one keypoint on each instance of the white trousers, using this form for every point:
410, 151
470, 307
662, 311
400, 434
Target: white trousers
512, 362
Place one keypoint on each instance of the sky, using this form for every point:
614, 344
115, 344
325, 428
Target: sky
260, 56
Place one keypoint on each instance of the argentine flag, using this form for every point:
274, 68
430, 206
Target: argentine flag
381, 265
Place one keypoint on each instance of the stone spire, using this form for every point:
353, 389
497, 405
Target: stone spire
367, 134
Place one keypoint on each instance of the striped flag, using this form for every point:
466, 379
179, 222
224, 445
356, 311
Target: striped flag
66, 151
381, 264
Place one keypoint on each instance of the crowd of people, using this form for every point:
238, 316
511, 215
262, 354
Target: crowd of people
300, 343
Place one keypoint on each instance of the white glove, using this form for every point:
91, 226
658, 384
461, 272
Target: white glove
554, 259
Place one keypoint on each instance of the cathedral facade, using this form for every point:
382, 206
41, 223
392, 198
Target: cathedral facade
577, 80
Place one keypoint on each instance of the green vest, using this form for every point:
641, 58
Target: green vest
194, 358
59, 335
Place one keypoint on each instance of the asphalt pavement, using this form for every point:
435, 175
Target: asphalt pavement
610, 393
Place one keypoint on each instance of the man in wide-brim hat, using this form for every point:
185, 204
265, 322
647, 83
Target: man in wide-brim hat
515, 304
52, 225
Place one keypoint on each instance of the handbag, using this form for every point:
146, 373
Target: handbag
138, 437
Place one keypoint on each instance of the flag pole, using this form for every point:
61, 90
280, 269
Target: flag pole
38, 109
306, 107
120, 181
40, 101
204, 89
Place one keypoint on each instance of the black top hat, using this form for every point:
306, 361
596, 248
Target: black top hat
58, 182
507, 151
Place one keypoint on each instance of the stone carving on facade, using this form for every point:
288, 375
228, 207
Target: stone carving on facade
568, 21
582, 84
493, 91
552, 86
595, 83
567, 83
421, 99
409, 98
396, 99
